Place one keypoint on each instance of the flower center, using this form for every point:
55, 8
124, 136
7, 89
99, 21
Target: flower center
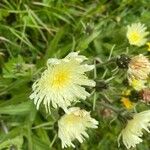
61, 78
134, 37
72, 119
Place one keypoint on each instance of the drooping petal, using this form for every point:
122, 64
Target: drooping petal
132, 133
73, 125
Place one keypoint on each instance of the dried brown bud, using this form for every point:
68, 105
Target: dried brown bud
106, 113
123, 61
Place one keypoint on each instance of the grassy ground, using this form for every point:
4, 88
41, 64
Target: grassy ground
33, 31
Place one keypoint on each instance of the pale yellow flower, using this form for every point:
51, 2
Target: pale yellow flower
73, 125
132, 133
138, 84
138, 68
136, 34
61, 83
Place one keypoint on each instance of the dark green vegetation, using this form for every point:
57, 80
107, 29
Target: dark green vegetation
33, 31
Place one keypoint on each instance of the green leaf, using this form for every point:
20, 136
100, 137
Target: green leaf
16, 142
85, 41
19, 109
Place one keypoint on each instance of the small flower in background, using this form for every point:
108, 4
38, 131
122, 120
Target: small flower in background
148, 44
136, 34
73, 125
125, 100
127, 103
106, 113
138, 84
138, 68
132, 133
145, 95
61, 83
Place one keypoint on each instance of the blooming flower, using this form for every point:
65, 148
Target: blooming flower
127, 103
138, 68
73, 125
136, 34
61, 83
132, 133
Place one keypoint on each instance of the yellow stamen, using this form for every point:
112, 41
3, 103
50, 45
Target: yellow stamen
72, 119
61, 78
134, 37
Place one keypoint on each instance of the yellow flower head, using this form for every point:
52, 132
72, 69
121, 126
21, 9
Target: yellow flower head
148, 44
127, 103
132, 133
136, 34
61, 83
73, 125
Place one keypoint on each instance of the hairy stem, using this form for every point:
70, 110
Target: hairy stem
115, 109
110, 61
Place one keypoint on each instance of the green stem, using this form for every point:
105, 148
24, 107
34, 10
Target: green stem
107, 62
115, 109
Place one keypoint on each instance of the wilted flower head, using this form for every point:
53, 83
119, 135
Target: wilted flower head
136, 34
61, 83
145, 95
73, 125
132, 133
138, 68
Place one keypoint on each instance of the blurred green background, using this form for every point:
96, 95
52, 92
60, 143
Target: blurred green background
31, 31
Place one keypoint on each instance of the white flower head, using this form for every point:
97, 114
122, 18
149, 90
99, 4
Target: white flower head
138, 68
61, 83
132, 133
73, 125
136, 34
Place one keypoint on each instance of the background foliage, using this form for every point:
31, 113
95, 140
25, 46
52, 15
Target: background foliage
33, 31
